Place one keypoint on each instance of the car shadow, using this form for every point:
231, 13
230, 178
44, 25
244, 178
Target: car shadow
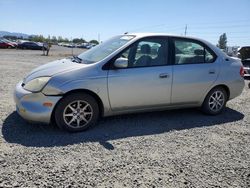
16, 130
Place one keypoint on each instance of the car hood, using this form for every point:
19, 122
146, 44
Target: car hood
53, 68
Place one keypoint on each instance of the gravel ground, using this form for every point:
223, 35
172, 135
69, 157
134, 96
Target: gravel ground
180, 148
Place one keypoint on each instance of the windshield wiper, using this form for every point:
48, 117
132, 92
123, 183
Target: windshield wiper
76, 59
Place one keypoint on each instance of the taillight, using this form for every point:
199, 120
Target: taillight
242, 71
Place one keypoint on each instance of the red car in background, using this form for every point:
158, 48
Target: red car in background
4, 43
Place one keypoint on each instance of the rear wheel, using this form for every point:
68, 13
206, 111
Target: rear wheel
77, 112
215, 101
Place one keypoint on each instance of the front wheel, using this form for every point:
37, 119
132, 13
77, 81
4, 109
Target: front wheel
76, 112
215, 101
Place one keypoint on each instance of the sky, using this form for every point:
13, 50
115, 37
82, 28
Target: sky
88, 19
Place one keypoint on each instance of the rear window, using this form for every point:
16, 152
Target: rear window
192, 52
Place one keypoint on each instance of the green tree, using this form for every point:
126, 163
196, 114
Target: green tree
54, 39
37, 38
10, 37
66, 40
94, 42
48, 39
60, 39
77, 40
222, 43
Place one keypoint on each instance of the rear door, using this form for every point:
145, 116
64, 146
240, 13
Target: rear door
195, 70
147, 80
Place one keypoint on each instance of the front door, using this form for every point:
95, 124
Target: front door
147, 80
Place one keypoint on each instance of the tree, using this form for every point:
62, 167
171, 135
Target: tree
10, 37
77, 40
66, 40
222, 43
94, 42
54, 39
48, 39
37, 38
60, 39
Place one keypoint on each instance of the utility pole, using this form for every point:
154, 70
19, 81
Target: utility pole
72, 47
186, 30
99, 37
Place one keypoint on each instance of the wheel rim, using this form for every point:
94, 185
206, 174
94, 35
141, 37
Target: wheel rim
78, 114
216, 101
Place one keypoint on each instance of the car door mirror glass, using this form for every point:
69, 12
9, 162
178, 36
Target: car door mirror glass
121, 63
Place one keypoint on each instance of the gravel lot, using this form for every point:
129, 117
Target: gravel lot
180, 148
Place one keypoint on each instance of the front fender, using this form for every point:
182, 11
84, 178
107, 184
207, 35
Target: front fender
97, 85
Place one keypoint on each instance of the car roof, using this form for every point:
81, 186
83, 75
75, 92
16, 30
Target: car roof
139, 35
161, 34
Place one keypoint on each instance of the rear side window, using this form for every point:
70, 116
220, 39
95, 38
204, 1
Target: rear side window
192, 52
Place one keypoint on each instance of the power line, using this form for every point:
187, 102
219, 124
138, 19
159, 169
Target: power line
220, 26
220, 22
210, 32
200, 25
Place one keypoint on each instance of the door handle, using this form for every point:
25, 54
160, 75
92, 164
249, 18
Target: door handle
163, 75
212, 71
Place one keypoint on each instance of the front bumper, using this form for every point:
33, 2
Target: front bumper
32, 106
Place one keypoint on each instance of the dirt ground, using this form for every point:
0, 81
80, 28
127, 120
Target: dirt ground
178, 148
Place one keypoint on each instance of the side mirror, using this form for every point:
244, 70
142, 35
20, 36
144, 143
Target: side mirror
121, 63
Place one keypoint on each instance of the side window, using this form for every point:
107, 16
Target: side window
209, 58
147, 52
190, 52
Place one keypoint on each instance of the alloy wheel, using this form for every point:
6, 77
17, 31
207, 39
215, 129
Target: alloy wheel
216, 101
77, 114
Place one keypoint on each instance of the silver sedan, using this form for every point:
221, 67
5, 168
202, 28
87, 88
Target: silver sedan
130, 73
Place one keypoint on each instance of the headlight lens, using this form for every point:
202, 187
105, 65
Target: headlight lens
36, 84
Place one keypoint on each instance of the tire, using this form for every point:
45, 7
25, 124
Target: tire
215, 101
76, 112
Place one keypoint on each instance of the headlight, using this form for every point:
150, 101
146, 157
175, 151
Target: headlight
36, 84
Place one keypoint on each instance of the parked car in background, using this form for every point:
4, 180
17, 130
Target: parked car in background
83, 45
124, 75
71, 45
14, 43
32, 46
245, 59
4, 43
87, 45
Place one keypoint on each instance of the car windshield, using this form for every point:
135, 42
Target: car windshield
104, 49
